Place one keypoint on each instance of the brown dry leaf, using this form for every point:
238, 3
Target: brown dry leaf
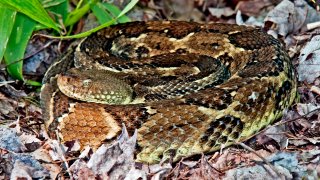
251, 21
252, 8
223, 161
306, 128
25, 166
287, 17
200, 169
231, 158
42, 155
304, 109
56, 150
22, 171
219, 12
311, 158
203, 171
309, 61
315, 128
28, 139
178, 9
113, 161
9, 140
286, 165
38, 56
80, 170
5, 108
9, 90
136, 174
157, 171
276, 133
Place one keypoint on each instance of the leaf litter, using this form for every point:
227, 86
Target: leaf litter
291, 146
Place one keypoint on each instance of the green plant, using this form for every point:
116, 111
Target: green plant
20, 18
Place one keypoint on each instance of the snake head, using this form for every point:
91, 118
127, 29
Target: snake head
92, 86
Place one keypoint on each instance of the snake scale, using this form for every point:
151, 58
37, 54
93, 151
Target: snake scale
188, 88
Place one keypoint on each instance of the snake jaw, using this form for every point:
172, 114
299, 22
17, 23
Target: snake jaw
90, 122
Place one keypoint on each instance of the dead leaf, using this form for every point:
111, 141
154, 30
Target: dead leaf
253, 8
5, 108
113, 161
204, 171
42, 155
219, 12
80, 170
136, 174
251, 21
28, 138
178, 9
25, 166
286, 165
304, 109
309, 61
56, 150
9, 140
287, 17
157, 170
276, 133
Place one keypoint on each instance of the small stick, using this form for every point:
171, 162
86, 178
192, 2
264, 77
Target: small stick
313, 25
264, 159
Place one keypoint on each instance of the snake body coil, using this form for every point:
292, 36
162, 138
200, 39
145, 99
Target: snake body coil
188, 88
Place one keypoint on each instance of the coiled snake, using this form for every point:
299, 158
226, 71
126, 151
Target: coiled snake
188, 88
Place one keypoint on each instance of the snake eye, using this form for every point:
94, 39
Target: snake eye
86, 82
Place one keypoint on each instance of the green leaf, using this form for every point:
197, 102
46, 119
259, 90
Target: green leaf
59, 8
128, 7
115, 11
33, 9
105, 12
51, 3
102, 15
107, 24
20, 35
7, 17
33, 83
76, 15
87, 33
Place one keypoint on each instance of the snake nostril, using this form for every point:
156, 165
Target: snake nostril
86, 82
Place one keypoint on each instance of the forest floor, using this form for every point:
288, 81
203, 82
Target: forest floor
288, 149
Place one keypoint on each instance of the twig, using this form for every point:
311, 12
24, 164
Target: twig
61, 152
283, 122
39, 50
2, 83
264, 159
313, 25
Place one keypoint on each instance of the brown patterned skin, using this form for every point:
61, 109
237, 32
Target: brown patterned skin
189, 88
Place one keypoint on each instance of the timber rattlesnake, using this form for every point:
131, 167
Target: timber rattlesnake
188, 88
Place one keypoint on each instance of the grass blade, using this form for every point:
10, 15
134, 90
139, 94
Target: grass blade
6, 25
20, 35
128, 7
107, 24
106, 11
59, 10
102, 15
33, 9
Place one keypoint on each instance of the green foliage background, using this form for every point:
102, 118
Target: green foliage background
20, 18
